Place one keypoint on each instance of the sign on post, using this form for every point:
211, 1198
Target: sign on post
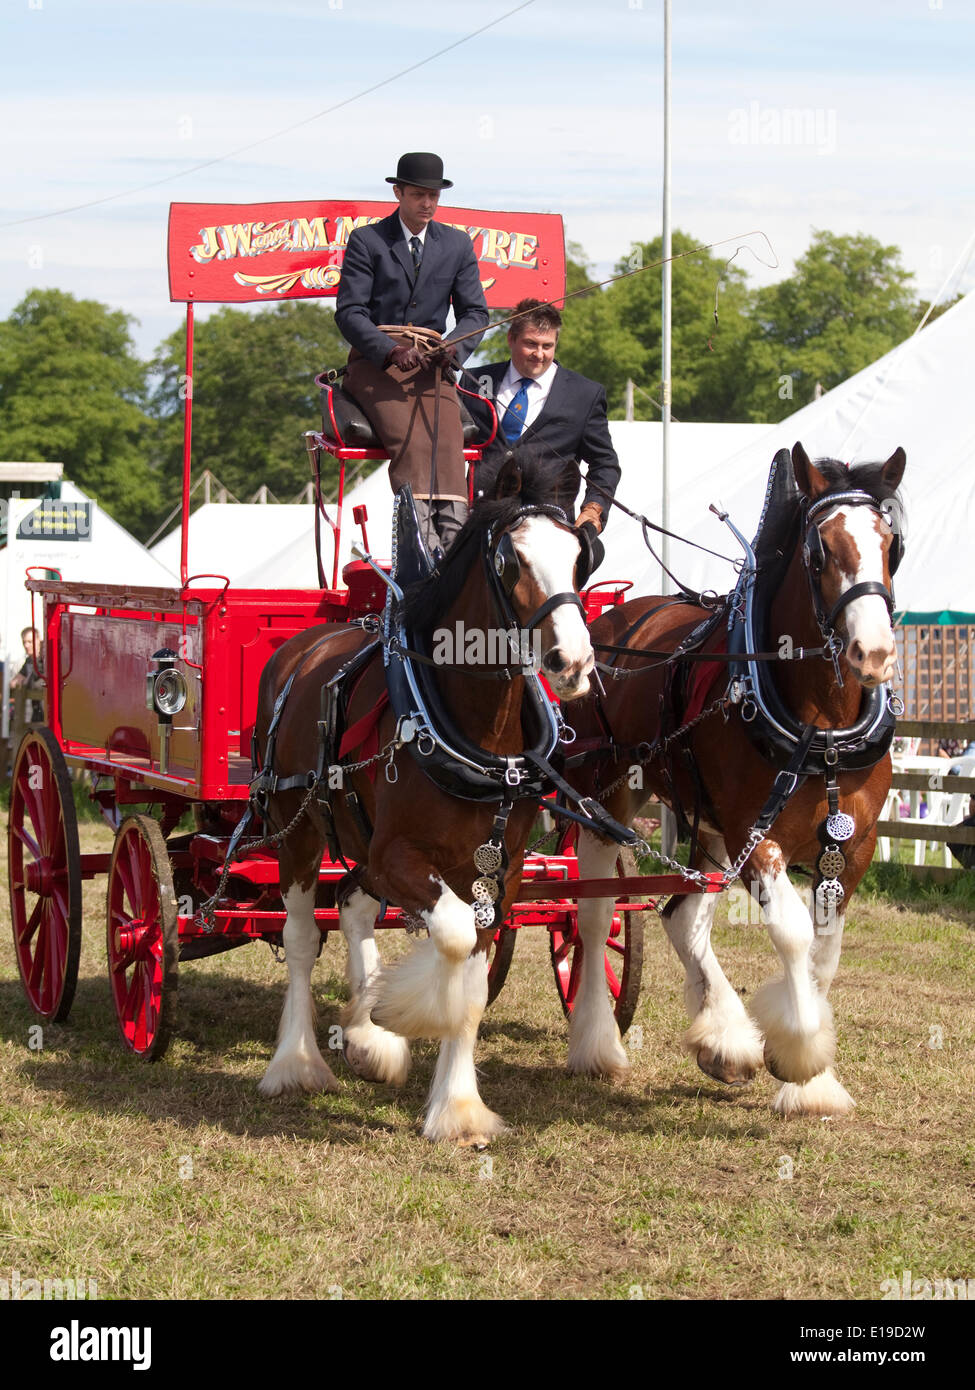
235, 252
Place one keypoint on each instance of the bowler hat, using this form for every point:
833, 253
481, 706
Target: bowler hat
421, 170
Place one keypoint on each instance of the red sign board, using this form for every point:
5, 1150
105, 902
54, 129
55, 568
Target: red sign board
232, 252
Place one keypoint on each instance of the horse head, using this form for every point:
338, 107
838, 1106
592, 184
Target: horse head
852, 545
512, 568
534, 555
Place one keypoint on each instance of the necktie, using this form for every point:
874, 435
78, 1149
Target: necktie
417, 251
516, 411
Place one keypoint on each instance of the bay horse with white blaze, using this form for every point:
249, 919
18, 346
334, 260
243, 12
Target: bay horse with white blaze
413, 843
788, 766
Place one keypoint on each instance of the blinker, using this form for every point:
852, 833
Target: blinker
507, 566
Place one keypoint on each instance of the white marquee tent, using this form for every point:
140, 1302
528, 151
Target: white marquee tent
694, 449
919, 396
234, 538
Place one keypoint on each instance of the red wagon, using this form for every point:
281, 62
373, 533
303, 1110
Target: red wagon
154, 691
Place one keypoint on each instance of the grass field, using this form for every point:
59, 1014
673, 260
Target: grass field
177, 1181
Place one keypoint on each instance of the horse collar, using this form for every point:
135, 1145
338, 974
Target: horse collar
771, 726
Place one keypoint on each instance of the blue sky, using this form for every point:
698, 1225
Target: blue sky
855, 117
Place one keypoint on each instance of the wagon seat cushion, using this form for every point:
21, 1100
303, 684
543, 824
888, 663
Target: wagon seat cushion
344, 421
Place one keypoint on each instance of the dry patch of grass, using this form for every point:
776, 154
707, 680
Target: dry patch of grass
178, 1181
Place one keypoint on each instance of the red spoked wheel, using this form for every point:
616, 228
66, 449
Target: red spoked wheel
623, 959
143, 937
44, 867
504, 949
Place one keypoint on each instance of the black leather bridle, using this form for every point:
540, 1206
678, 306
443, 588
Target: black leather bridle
504, 571
814, 554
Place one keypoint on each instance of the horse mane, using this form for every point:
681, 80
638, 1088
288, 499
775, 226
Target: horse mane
545, 482
863, 477
780, 531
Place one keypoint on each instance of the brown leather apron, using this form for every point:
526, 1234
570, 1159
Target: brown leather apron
401, 407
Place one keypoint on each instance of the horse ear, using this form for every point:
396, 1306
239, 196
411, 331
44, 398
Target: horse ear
894, 468
508, 482
809, 480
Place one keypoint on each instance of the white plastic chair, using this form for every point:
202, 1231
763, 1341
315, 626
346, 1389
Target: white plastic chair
946, 807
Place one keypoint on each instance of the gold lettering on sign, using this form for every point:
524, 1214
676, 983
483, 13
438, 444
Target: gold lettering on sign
524, 246
494, 246
270, 236
345, 225
309, 235
208, 247
236, 240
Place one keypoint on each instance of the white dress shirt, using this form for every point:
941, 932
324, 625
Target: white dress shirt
422, 233
538, 389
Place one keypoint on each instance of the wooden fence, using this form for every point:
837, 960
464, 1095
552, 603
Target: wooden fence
938, 672
939, 786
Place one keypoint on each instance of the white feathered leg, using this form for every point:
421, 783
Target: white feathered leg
423, 995
371, 1052
794, 1015
454, 1107
722, 1037
297, 1064
823, 1094
595, 1046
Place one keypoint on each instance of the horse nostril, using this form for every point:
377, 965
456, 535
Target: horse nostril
553, 661
856, 653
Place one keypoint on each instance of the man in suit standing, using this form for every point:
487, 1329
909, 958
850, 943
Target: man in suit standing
400, 277
538, 402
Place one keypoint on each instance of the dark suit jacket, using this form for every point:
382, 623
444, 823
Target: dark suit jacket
377, 286
572, 424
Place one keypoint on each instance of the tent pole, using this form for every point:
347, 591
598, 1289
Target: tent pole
665, 310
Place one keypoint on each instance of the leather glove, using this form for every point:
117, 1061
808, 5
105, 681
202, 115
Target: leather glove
405, 358
592, 515
591, 554
444, 355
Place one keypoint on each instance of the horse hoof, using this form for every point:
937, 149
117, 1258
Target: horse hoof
727, 1072
774, 1067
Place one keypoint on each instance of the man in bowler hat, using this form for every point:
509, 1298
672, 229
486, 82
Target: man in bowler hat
403, 274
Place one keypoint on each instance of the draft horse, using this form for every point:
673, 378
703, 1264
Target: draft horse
793, 761
413, 842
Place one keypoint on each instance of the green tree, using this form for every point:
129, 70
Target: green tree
254, 395
622, 337
611, 334
70, 392
938, 309
848, 302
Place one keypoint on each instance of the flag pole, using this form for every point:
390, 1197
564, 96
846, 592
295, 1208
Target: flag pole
665, 315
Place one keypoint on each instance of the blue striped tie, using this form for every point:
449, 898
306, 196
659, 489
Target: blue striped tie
516, 411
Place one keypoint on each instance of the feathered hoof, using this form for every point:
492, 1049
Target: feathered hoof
467, 1123
729, 1051
823, 1095
798, 1060
297, 1072
791, 1055
375, 1054
607, 1060
723, 1069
